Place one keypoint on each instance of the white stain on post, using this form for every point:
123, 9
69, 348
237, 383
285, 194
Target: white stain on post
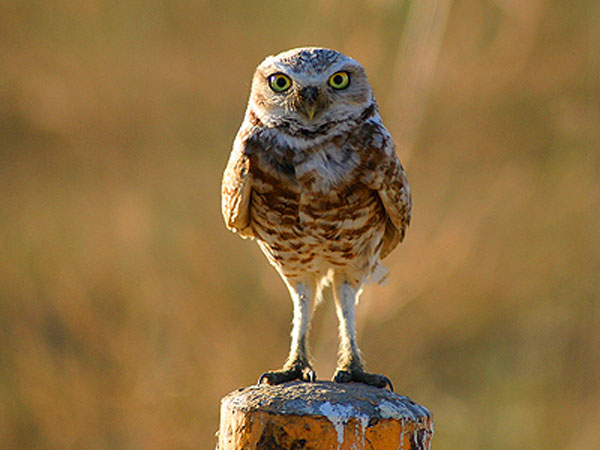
339, 415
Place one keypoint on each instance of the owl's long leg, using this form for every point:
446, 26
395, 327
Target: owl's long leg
351, 366
297, 366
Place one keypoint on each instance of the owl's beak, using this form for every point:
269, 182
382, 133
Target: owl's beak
311, 102
310, 111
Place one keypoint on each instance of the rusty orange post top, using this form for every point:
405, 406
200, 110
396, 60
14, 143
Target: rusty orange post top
322, 415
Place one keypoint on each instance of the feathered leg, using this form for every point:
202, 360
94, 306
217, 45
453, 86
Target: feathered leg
297, 366
351, 366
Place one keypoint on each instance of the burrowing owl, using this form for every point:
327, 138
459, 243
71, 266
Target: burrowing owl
314, 178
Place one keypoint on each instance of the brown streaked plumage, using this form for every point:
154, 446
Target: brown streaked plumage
313, 177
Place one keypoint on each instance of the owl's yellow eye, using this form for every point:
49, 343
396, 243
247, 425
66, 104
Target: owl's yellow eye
279, 82
339, 80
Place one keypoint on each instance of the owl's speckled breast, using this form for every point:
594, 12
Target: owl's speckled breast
316, 217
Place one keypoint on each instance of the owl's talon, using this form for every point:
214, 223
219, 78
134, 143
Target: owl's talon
309, 375
360, 376
268, 377
388, 383
298, 371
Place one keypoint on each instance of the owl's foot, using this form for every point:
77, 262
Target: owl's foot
360, 376
297, 371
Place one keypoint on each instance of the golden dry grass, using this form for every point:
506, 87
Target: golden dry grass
126, 308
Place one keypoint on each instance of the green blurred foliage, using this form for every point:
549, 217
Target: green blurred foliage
127, 310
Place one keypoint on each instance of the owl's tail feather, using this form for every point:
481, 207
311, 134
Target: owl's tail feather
380, 274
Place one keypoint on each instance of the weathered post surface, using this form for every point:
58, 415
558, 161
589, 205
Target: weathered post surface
322, 415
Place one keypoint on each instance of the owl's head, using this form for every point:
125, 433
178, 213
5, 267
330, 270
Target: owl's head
307, 87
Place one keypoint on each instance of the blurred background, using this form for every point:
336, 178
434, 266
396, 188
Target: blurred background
127, 310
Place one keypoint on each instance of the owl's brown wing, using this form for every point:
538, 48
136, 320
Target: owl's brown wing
236, 191
386, 176
395, 196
